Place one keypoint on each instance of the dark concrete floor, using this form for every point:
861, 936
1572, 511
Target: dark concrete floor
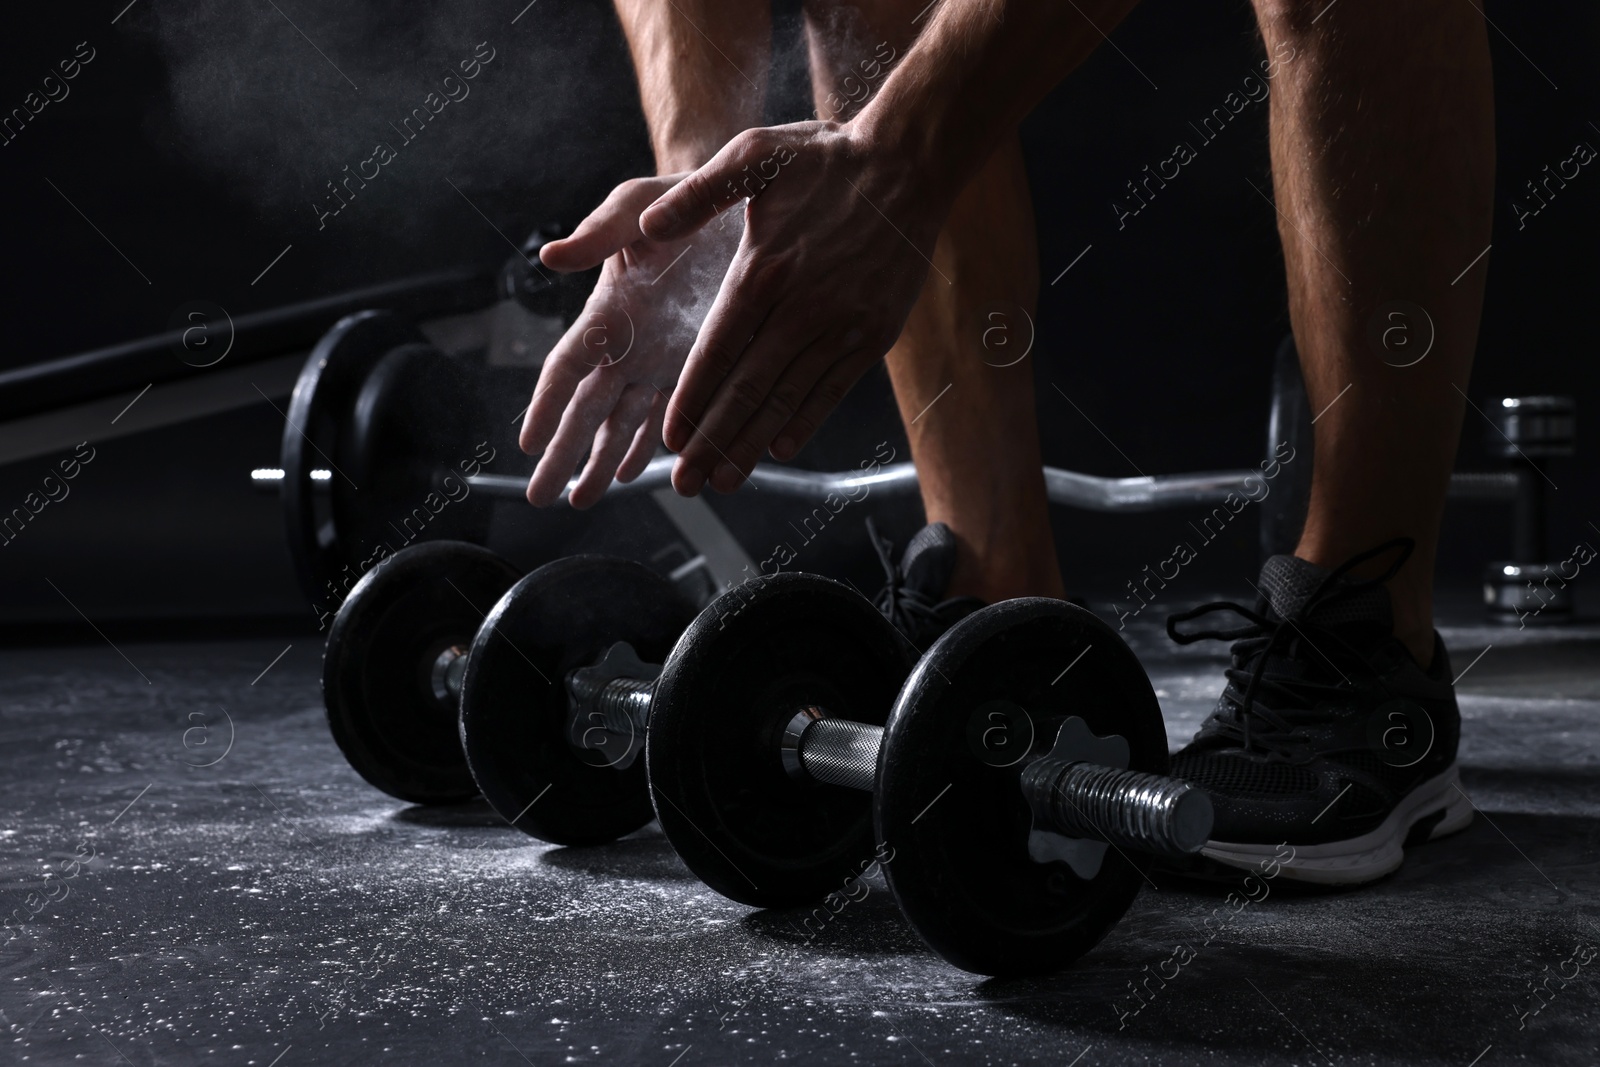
272, 909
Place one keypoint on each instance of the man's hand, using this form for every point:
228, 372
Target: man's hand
604, 386
838, 239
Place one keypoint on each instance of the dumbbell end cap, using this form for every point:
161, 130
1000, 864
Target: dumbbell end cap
1192, 820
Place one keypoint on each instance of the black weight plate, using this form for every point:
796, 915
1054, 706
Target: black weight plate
514, 706
377, 672
954, 826
1289, 434
755, 656
323, 403
414, 433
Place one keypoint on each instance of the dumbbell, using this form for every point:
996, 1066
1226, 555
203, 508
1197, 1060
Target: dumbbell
1527, 432
404, 648
1010, 774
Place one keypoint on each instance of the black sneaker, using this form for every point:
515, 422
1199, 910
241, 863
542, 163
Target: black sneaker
1330, 749
913, 594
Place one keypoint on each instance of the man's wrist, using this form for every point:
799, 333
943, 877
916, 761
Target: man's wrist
910, 149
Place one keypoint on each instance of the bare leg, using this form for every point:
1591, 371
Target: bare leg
1383, 166
702, 67
971, 420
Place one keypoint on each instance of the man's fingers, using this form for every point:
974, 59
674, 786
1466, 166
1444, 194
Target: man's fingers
591, 405
824, 397
707, 192
590, 344
558, 379
770, 370
610, 444
611, 226
741, 307
781, 405
645, 440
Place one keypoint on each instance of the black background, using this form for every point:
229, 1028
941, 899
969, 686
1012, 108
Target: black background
199, 137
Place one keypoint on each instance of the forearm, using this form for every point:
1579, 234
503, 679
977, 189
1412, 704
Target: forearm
973, 74
702, 67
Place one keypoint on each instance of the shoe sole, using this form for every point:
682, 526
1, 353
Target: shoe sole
1372, 855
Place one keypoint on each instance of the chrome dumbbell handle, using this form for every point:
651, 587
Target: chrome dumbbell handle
837, 751
624, 705
611, 697
444, 676
1149, 813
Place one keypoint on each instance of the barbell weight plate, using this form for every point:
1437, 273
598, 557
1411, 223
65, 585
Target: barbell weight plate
411, 436
377, 671
515, 714
322, 404
755, 656
1289, 433
951, 820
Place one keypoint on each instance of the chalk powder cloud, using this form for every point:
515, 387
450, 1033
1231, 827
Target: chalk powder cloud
412, 125
274, 118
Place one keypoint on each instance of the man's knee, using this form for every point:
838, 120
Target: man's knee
854, 46
897, 16
1288, 19
1296, 18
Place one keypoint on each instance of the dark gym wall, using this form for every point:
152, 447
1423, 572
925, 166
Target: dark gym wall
198, 139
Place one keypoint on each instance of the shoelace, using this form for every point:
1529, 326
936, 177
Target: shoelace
908, 609
1256, 643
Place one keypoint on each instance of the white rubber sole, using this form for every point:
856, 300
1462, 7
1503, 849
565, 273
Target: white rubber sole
1358, 859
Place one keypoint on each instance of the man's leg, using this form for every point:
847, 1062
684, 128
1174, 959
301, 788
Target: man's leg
1383, 165
971, 420
702, 67
1382, 156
